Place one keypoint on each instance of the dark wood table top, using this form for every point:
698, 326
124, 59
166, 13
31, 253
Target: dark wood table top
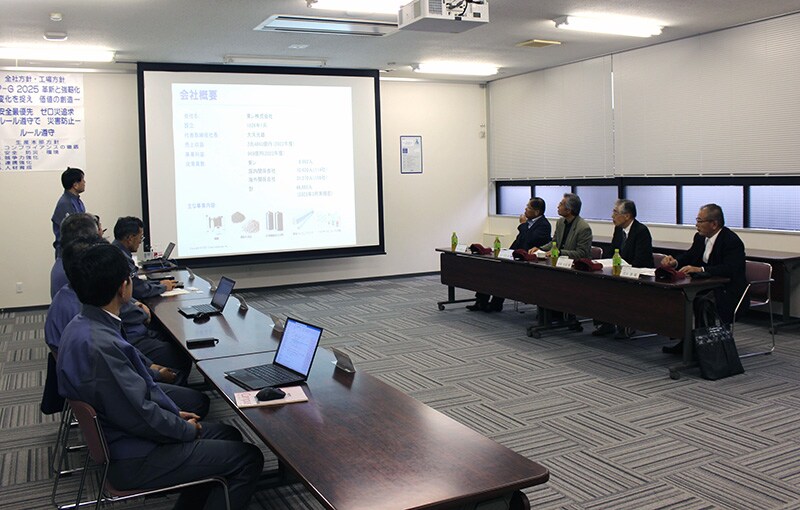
643, 304
359, 443
238, 332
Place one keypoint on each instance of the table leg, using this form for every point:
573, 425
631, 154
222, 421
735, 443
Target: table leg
688, 343
451, 298
786, 318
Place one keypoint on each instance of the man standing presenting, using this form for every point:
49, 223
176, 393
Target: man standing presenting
69, 203
534, 230
716, 251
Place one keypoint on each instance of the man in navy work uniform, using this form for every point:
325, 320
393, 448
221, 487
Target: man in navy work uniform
128, 235
69, 203
151, 442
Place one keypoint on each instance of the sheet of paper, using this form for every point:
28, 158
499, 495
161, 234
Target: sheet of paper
610, 262
506, 254
174, 292
293, 394
564, 262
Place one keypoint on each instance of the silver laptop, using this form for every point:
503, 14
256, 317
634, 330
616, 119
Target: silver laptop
292, 361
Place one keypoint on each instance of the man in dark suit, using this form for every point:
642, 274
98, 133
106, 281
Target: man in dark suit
534, 230
716, 251
635, 245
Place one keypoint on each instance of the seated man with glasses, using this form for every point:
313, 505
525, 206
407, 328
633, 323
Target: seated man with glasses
716, 251
635, 245
128, 236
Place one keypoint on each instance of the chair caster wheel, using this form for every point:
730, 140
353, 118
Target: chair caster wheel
441, 307
674, 375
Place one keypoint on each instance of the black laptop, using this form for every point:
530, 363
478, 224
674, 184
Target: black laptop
161, 262
217, 304
292, 361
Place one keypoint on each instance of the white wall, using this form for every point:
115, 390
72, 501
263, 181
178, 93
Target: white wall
420, 211
112, 189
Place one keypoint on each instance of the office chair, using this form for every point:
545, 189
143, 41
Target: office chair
98, 453
596, 253
759, 293
657, 258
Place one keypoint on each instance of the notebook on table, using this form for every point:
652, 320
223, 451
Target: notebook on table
217, 304
292, 361
161, 262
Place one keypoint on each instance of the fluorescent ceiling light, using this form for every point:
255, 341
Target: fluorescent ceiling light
617, 25
60, 54
459, 68
253, 60
371, 6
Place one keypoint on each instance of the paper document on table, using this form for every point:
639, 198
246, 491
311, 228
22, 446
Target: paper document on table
294, 394
610, 262
174, 292
506, 254
636, 272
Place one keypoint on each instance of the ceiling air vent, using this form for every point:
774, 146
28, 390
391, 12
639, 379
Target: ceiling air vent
312, 25
537, 43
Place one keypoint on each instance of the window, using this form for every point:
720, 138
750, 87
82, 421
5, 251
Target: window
511, 200
730, 198
774, 207
552, 195
597, 201
654, 204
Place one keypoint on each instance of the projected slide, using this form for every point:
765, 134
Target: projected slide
260, 164
257, 169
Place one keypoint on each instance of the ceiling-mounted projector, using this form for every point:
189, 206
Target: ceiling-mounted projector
443, 15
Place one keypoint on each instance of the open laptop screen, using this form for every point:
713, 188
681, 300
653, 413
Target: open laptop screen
298, 346
222, 293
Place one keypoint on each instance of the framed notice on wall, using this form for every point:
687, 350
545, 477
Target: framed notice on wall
41, 121
410, 154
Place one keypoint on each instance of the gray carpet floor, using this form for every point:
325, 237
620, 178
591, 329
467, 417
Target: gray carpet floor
601, 414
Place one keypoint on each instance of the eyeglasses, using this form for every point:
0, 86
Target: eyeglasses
614, 211
700, 220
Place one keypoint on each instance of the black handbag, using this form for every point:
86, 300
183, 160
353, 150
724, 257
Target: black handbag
714, 347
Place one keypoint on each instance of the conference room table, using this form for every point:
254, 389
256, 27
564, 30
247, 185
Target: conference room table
642, 303
357, 443
239, 332
784, 264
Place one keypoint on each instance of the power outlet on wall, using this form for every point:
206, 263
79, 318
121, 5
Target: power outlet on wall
19, 287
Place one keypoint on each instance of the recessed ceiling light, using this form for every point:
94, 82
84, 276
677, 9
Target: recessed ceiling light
616, 25
56, 16
298, 46
457, 68
60, 54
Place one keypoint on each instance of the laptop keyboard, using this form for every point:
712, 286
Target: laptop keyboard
204, 309
266, 372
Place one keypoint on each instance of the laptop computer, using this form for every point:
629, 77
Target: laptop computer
292, 361
218, 301
161, 262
